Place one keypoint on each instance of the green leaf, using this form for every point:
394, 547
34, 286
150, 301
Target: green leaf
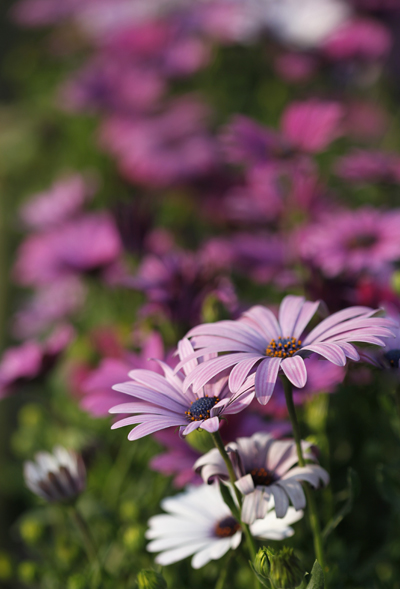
389, 483
317, 580
352, 491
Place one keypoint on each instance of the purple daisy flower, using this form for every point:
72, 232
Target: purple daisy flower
266, 471
350, 242
259, 345
160, 401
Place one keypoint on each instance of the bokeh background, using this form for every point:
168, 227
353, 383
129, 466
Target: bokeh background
193, 159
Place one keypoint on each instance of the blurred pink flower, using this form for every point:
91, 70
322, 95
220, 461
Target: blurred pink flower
32, 359
168, 148
97, 395
351, 242
295, 67
49, 304
177, 283
89, 242
308, 126
360, 39
369, 166
63, 200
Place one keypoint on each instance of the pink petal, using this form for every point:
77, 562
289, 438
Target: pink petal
331, 352
185, 349
295, 370
334, 319
289, 311
210, 425
265, 321
306, 314
239, 373
266, 376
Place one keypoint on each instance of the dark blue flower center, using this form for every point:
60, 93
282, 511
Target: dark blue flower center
393, 357
201, 408
262, 476
227, 527
283, 347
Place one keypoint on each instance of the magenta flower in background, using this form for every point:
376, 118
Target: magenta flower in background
165, 149
49, 304
64, 199
199, 523
24, 363
369, 166
359, 39
351, 242
87, 243
96, 388
159, 401
265, 468
259, 345
177, 283
308, 126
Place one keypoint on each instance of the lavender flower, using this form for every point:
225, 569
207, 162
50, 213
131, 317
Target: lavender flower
200, 523
265, 468
350, 242
258, 343
59, 476
160, 402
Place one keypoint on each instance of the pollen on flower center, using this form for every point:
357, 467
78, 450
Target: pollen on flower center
227, 527
200, 409
262, 476
393, 357
283, 347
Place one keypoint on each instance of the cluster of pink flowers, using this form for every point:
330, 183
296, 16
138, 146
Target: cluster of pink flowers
274, 223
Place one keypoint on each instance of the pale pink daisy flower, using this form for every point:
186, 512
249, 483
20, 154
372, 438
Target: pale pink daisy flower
199, 523
259, 345
159, 401
265, 468
350, 242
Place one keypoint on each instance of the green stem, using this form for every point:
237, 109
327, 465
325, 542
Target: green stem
223, 574
216, 436
312, 508
88, 544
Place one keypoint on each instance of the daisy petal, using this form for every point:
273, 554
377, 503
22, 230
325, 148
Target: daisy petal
266, 376
295, 370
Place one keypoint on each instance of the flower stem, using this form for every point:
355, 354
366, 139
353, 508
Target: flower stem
216, 436
88, 544
312, 508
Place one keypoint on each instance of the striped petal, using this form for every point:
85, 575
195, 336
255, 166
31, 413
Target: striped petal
266, 376
295, 369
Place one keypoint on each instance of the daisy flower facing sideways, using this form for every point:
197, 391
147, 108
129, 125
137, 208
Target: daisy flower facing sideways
158, 402
198, 522
259, 345
264, 469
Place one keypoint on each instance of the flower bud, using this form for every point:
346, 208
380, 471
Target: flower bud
285, 568
149, 579
261, 563
60, 476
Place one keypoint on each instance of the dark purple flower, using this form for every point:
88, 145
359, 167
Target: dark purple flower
258, 345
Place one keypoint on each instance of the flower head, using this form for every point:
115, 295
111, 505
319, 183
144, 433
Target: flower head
350, 242
59, 476
200, 523
159, 401
258, 345
265, 468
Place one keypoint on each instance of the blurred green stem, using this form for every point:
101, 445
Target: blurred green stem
311, 505
216, 436
223, 574
117, 475
88, 543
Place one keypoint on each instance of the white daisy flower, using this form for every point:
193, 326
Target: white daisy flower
199, 523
